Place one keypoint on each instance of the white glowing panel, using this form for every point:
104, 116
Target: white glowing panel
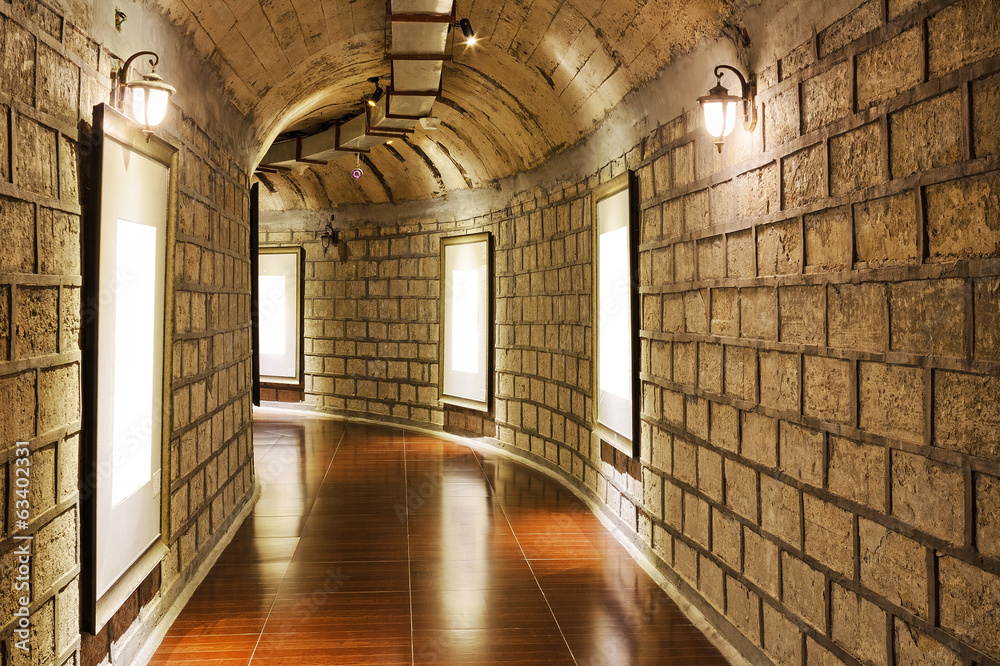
614, 319
278, 315
465, 324
272, 314
135, 359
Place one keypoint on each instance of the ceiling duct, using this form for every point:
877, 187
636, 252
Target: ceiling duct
419, 44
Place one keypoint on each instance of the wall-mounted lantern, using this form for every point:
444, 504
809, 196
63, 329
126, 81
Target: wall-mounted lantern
150, 94
720, 110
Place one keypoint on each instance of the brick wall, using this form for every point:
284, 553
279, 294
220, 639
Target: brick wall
52, 72
820, 466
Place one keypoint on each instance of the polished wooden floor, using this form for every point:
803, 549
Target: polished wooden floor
371, 545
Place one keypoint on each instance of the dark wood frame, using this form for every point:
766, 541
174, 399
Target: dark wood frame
108, 123
486, 405
299, 386
627, 180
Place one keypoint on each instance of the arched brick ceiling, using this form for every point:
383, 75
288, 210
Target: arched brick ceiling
543, 75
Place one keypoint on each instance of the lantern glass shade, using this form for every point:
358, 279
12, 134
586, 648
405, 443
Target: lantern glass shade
149, 100
720, 117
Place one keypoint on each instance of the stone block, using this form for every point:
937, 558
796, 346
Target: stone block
963, 219
969, 603
711, 259
725, 312
740, 254
827, 389
36, 166
856, 160
803, 591
5, 323
663, 266
859, 626
857, 315
828, 242
723, 203
710, 367
682, 159
759, 313
889, 68
885, 230
967, 414
686, 562
724, 426
779, 510
757, 191
803, 177
987, 498
741, 373
58, 397
58, 85
673, 218
987, 317
779, 249
801, 452
857, 471
864, 19
797, 59
743, 609
696, 519
661, 174
781, 118
782, 640
826, 97
42, 491
55, 551
673, 313
899, 7
711, 582
803, 312
696, 311
759, 441
741, 489
710, 473
696, 211
828, 534
4, 143
684, 262
929, 496
685, 462
985, 129
915, 648
17, 219
36, 328
651, 313
926, 135
59, 242
17, 408
961, 34
17, 64
779, 381
760, 561
726, 541
685, 363
892, 401
893, 567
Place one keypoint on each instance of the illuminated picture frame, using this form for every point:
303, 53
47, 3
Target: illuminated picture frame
617, 388
127, 356
280, 290
465, 343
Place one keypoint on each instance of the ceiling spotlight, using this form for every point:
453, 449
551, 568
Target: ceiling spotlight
720, 110
470, 35
377, 95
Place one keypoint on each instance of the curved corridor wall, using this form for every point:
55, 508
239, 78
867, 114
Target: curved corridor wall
820, 466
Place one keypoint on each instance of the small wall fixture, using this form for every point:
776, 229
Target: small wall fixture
377, 95
149, 95
470, 34
330, 236
719, 106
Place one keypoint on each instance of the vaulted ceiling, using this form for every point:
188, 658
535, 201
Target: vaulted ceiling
543, 74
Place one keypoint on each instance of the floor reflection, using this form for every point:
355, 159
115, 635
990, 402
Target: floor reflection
371, 545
